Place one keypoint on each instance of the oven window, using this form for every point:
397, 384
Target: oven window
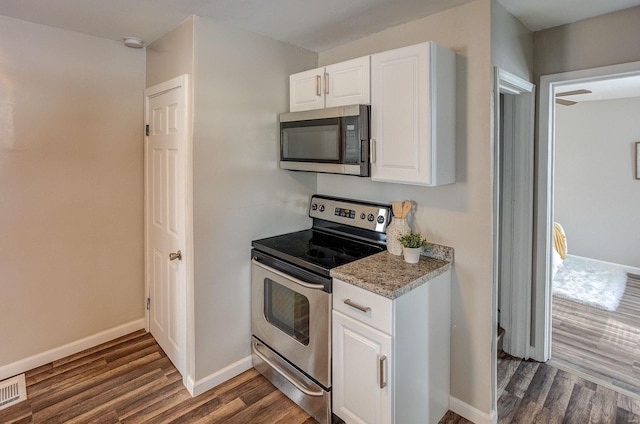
287, 309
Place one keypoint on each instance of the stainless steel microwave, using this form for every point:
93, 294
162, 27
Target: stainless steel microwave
332, 140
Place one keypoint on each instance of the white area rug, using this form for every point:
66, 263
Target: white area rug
591, 282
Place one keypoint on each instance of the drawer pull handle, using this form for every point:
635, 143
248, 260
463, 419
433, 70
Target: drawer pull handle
359, 307
381, 362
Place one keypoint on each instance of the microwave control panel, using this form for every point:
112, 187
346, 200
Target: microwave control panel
369, 216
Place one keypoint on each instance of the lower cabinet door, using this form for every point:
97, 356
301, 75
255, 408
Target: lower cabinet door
362, 372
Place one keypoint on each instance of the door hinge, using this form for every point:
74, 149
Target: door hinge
148, 303
146, 130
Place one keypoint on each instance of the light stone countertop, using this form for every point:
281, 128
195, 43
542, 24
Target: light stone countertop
390, 276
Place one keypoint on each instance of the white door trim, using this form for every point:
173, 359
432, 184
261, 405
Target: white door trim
521, 115
549, 85
187, 144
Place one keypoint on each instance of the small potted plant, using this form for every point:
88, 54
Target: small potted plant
412, 245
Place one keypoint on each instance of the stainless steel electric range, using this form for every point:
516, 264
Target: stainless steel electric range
291, 297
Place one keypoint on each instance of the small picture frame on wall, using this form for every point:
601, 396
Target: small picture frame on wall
637, 160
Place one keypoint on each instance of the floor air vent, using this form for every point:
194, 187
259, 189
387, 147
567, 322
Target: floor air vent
12, 391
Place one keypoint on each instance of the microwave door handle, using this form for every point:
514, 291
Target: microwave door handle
288, 277
372, 150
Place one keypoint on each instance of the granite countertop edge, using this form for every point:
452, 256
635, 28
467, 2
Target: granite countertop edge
389, 276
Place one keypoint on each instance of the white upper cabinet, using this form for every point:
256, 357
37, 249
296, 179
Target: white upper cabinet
413, 115
340, 84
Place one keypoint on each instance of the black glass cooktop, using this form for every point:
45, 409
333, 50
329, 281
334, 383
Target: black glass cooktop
316, 250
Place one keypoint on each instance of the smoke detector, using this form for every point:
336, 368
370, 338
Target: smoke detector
133, 42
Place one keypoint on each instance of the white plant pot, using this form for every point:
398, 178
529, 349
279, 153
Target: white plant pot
412, 254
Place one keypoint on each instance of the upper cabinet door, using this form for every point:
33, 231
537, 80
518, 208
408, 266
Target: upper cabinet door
306, 91
413, 115
341, 84
348, 83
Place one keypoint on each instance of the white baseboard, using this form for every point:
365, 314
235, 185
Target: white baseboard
202, 385
469, 412
43, 358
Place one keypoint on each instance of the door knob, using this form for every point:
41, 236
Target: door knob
174, 256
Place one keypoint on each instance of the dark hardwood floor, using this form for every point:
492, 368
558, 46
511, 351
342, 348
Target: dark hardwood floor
533, 392
600, 345
130, 380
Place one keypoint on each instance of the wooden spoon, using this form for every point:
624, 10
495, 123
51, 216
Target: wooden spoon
406, 208
396, 207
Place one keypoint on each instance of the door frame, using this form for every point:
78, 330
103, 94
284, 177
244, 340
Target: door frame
542, 299
521, 108
188, 378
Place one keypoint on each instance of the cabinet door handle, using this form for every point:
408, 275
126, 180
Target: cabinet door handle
372, 150
326, 83
382, 360
357, 305
318, 93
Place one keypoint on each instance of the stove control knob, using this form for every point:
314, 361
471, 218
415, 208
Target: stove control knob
380, 219
363, 216
321, 208
314, 206
370, 218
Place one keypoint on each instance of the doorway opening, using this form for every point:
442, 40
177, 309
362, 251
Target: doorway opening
512, 222
555, 316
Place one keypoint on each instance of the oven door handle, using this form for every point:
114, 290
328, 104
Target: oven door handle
255, 261
283, 373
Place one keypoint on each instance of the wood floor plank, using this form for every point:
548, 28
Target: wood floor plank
508, 407
603, 409
265, 411
541, 383
150, 398
526, 410
521, 379
560, 392
223, 413
579, 407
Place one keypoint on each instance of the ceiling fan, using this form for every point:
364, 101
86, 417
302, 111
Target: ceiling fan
566, 102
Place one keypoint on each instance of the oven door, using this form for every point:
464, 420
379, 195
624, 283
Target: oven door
292, 317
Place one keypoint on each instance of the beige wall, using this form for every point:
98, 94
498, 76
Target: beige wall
240, 194
171, 55
511, 43
457, 215
71, 187
594, 170
240, 84
601, 41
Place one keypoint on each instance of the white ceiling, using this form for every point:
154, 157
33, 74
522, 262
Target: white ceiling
313, 24
613, 88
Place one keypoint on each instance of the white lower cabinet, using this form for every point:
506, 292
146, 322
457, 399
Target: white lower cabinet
391, 357
362, 382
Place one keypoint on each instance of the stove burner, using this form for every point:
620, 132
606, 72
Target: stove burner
320, 256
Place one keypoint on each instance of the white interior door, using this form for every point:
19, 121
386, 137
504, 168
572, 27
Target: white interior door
165, 213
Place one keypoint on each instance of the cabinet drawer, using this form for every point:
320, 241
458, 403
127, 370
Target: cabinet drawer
363, 305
